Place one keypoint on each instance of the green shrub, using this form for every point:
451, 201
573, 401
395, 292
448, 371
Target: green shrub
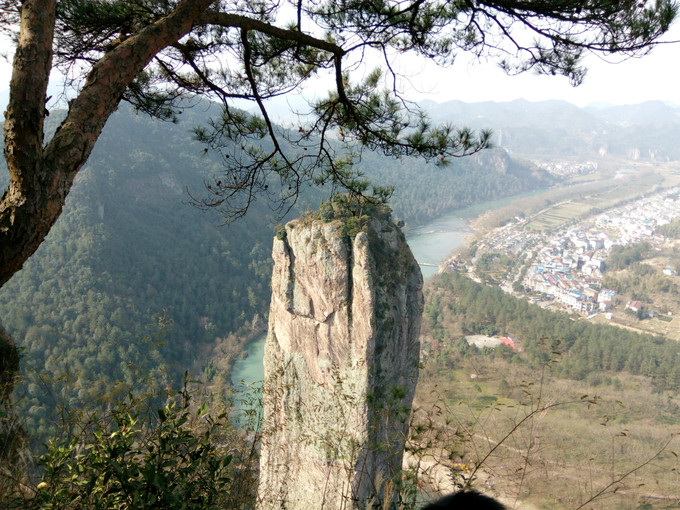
352, 227
181, 456
280, 232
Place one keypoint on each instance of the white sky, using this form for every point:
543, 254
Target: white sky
654, 76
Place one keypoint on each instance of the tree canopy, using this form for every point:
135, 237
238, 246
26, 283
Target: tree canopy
158, 54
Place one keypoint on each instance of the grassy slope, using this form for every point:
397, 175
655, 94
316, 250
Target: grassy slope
565, 455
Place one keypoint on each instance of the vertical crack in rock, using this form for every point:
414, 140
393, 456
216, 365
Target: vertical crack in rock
350, 280
341, 364
291, 271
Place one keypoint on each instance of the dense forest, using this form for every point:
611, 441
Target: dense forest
423, 192
457, 306
133, 279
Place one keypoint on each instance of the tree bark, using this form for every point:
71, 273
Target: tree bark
41, 177
21, 204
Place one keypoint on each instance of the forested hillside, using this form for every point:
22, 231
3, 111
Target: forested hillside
134, 279
424, 192
457, 306
130, 260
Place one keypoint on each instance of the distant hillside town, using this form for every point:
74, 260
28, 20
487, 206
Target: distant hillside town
567, 266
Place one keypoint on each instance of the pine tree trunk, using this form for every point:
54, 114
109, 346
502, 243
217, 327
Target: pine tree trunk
41, 177
23, 215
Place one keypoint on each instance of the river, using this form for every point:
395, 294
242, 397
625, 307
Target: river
430, 244
250, 369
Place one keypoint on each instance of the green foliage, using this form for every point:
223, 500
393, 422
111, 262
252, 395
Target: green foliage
127, 260
326, 212
459, 303
185, 455
671, 230
280, 232
635, 279
641, 280
356, 206
620, 257
353, 225
493, 267
355, 211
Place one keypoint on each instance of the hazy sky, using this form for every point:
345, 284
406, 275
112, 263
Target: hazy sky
655, 76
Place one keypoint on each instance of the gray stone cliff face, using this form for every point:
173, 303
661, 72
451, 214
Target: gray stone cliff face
341, 364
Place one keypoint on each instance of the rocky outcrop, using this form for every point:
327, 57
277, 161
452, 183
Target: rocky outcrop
341, 364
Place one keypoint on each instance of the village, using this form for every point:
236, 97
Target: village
564, 268
567, 168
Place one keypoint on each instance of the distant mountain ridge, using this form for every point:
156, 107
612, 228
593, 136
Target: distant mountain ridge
554, 129
542, 129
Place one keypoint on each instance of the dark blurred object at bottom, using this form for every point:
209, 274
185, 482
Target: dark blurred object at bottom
465, 500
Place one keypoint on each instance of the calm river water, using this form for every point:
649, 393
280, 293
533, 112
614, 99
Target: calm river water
430, 245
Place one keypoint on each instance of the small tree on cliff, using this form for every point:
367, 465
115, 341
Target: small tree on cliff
156, 53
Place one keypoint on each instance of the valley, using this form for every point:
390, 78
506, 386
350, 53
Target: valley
199, 194
530, 415
557, 256
567, 393
105, 304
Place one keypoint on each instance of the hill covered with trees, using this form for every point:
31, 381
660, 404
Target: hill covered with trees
131, 275
457, 306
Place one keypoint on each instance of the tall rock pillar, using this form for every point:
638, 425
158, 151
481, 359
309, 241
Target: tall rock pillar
341, 361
